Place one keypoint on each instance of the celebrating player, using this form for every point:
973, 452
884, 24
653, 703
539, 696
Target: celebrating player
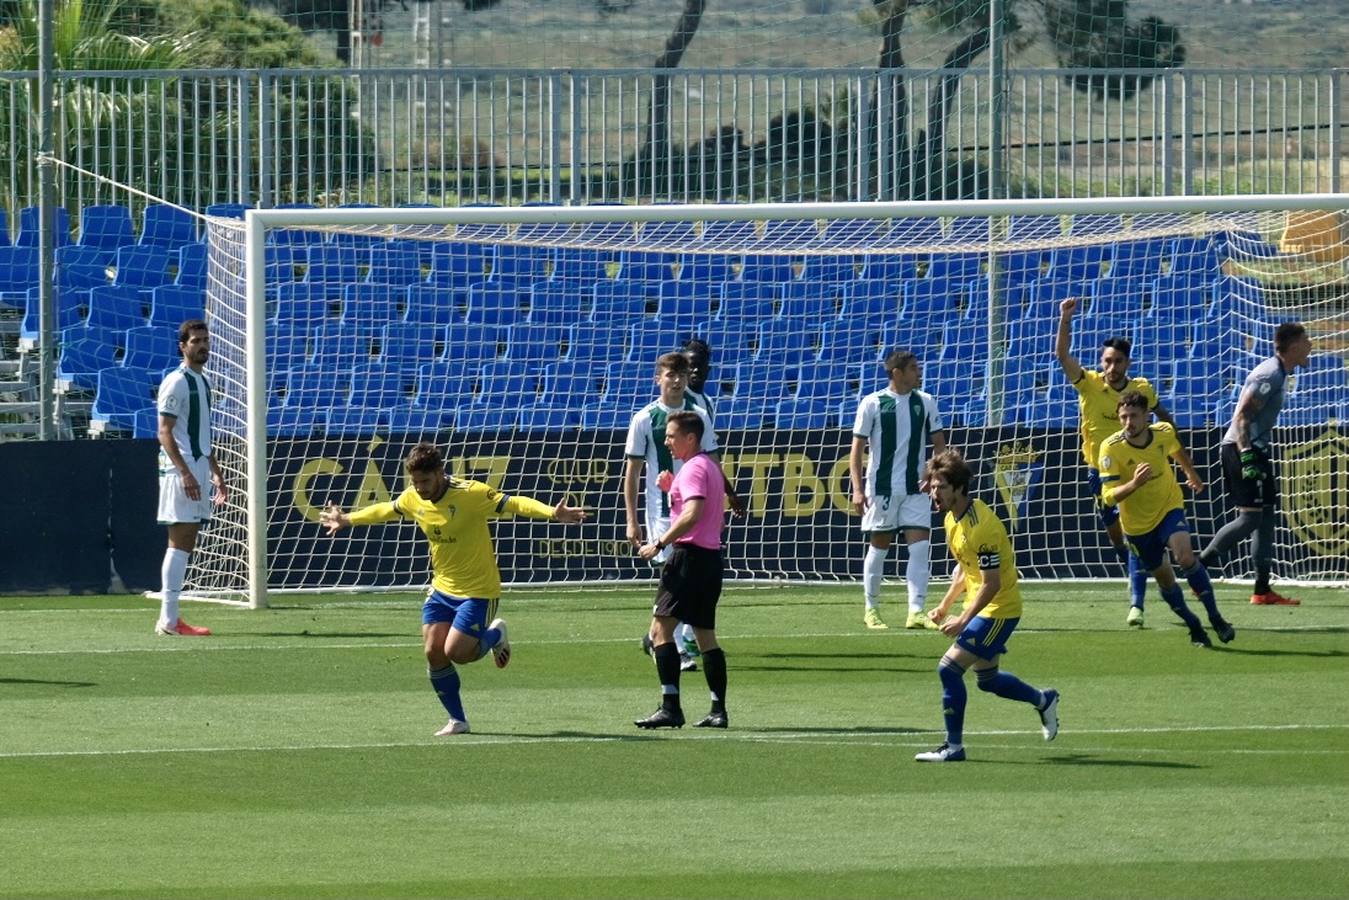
1098, 399
1245, 452
185, 459
690, 582
896, 424
466, 586
986, 575
1136, 475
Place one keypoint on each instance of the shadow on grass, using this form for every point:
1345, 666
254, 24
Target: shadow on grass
76, 684
1082, 759
738, 667
1317, 654
855, 729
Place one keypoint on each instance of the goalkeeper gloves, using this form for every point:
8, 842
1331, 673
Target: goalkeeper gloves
1252, 465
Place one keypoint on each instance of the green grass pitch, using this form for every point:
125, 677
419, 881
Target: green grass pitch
291, 755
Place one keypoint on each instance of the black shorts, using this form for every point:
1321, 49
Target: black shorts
690, 586
1242, 491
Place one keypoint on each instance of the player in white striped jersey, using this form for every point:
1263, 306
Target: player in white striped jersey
186, 463
897, 425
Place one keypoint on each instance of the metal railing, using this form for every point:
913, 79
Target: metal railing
402, 136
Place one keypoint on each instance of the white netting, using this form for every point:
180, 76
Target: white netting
523, 348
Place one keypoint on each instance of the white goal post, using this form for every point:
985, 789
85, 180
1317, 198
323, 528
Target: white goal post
522, 339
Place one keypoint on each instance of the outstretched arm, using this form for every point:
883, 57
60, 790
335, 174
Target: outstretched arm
1062, 341
333, 519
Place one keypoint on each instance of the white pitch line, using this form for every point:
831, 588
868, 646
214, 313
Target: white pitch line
840, 738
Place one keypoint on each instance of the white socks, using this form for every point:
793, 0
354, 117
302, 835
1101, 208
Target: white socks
172, 574
918, 573
873, 570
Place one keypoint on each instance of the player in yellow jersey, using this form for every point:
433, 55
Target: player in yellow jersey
1136, 475
986, 575
1098, 394
466, 584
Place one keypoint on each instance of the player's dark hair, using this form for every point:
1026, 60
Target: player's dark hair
185, 330
1288, 334
688, 422
674, 362
953, 469
425, 457
1134, 399
697, 347
899, 359
1123, 345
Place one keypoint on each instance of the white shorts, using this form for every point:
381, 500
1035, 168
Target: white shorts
174, 506
656, 526
897, 512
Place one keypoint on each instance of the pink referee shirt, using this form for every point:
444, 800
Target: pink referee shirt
700, 477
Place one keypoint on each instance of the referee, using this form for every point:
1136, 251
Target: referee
690, 582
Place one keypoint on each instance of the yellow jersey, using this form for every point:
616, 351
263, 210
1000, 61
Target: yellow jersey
979, 542
1098, 404
463, 560
1144, 509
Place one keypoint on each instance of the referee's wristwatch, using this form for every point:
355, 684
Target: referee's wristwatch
659, 545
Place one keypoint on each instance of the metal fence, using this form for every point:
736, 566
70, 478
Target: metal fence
402, 136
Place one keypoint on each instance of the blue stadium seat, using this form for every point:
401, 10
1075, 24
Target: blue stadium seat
310, 303
917, 336
485, 418
151, 347
763, 383
1195, 257
171, 305
495, 303
507, 384
963, 341
318, 387
558, 302
408, 345
29, 227
804, 412
624, 300
1142, 258
855, 339
355, 421
1159, 343
550, 418
80, 268
570, 384
1076, 265
834, 268
816, 300
748, 300
733, 341
395, 264
954, 266
828, 381
146, 423
583, 264
381, 385
968, 229
228, 210
1115, 296
120, 392
335, 346
416, 420
445, 385
787, 342
606, 417
474, 343
628, 386
18, 272
142, 266
80, 362
168, 227
685, 302
932, 296
599, 342
864, 297
111, 306
1178, 298
432, 304
192, 265
522, 261
890, 267
767, 268
332, 263
1061, 406
1022, 266
371, 304
106, 226
538, 345
738, 413
293, 421
71, 307
296, 237
458, 263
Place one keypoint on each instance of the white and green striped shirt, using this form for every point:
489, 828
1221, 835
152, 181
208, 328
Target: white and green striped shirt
646, 440
898, 429
186, 396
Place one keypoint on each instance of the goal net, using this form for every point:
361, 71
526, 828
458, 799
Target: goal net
523, 340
